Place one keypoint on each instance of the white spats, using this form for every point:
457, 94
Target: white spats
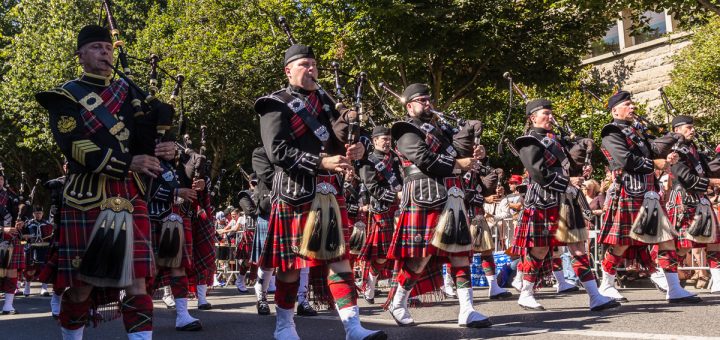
659, 280
495, 291
285, 325
147, 335
676, 293
76, 334
8, 306
182, 317
715, 284
527, 297
518, 281
202, 294
448, 286
350, 317
562, 285
468, 317
399, 308
607, 287
598, 301
370, 287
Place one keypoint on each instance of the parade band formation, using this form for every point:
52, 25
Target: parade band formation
133, 216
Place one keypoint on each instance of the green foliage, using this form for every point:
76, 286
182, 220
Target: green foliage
694, 89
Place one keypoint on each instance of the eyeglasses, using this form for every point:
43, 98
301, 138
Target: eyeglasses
423, 100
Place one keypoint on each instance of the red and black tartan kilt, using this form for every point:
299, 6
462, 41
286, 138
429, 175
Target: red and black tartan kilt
414, 232
204, 240
537, 228
285, 231
76, 227
186, 262
618, 220
244, 245
18, 258
681, 219
379, 235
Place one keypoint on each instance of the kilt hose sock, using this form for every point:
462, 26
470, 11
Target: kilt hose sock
611, 262
286, 293
179, 286
9, 284
137, 312
557, 264
377, 268
342, 288
488, 264
74, 315
532, 267
581, 266
668, 260
461, 275
407, 279
713, 259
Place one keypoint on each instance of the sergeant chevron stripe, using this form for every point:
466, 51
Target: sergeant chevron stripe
81, 147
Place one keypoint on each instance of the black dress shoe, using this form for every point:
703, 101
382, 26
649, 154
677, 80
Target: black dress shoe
304, 309
607, 305
370, 301
503, 295
479, 324
263, 307
538, 308
205, 306
687, 299
622, 299
379, 335
55, 316
569, 290
191, 327
9, 312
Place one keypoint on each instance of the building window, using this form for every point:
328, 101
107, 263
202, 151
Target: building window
609, 43
655, 26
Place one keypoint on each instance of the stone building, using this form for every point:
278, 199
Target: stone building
642, 62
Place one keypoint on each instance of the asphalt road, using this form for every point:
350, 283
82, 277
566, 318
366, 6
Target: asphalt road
234, 316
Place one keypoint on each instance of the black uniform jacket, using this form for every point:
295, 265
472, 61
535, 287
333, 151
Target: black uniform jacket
94, 152
292, 147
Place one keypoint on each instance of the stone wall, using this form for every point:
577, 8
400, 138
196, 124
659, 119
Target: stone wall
648, 67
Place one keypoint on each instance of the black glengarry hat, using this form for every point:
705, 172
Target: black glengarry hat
617, 98
380, 131
298, 51
536, 105
415, 90
93, 33
682, 120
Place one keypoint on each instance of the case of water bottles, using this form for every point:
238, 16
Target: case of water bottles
476, 272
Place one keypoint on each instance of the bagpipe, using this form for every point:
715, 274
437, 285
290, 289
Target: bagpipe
574, 208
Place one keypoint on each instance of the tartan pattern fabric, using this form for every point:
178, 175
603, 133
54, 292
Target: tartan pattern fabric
179, 286
681, 217
77, 225
244, 245
610, 262
618, 220
48, 274
557, 264
537, 228
581, 266
428, 286
8, 285
113, 97
286, 293
261, 232
379, 235
285, 230
433, 142
713, 258
532, 268
488, 264
414, 232
461, 275
74, 315
204, 239
407, 279
18, 257
137, 312
668, 260
342, 287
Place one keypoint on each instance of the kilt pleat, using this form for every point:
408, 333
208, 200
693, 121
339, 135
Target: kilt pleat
244, 245
618, 220
261, 232
379, 236
537, 228
414, 232
76, 228
285, 231
204, 239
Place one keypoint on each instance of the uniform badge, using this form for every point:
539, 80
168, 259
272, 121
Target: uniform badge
66, 124
76, 262
295, 249
417, 238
